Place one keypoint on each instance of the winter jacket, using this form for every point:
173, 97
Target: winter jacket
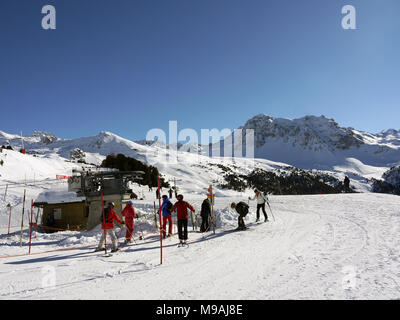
205, 208
242, 208
128, 212
260, 198
166, 207
181, 208
110, 218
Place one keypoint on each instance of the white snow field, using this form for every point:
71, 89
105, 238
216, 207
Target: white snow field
343, 246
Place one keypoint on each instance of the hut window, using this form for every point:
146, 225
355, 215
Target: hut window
57, 213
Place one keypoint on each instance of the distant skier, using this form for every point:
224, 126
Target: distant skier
166, 207
205, 215
129, 214
242, 209
107, 224
182, 213
170, 193
261, 200
346, 183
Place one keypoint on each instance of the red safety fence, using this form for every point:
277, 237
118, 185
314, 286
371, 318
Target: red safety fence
36, 226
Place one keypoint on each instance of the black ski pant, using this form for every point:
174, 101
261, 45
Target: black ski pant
204, 222
241, 224
182, 229
261, 206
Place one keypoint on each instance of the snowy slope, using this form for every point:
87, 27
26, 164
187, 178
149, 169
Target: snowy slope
319, 247
310, 251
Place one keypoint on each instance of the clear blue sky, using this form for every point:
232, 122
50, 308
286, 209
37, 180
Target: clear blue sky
127, 66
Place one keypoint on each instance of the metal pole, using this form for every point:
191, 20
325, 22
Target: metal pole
159, 203
22, 220
30, 228
9, 219
5, 193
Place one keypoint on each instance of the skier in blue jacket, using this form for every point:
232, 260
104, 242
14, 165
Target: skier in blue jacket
166, 207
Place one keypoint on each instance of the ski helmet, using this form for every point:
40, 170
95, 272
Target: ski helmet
112, 204
179, 197
130, 202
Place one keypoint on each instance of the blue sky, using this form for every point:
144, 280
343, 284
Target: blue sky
127, 66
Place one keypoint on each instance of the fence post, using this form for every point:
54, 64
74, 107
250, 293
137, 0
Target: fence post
22, 220
9, 219
30, 227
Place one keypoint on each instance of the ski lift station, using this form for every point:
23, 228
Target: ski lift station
80, 206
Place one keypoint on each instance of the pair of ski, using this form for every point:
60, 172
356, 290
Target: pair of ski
182, 245
246, 228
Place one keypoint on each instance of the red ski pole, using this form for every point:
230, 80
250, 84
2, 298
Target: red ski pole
159, 203
104, 222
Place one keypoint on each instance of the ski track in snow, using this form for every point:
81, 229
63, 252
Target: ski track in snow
305, 254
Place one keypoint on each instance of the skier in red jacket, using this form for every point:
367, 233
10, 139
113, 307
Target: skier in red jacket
107, 224
129, 214
181, 207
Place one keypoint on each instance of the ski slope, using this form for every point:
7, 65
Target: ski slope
341, 246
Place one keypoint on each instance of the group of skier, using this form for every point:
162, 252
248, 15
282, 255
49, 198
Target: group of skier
181, 208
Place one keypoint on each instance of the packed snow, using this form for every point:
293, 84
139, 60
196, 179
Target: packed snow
318, 247
342, 246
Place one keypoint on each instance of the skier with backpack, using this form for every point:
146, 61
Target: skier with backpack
107, 224
166, 207
129, 214
205, 214
181, 207
261, 200
243, 209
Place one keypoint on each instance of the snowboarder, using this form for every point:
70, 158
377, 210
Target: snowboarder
181, 207
166, 207
107, 224
129, 214
243, 209
205, 214
261, 200
170, 193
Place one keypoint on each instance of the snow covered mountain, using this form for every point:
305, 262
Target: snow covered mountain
320, 143
309, 143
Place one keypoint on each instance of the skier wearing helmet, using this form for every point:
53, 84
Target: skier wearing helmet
181, 207
129, 214
107, 224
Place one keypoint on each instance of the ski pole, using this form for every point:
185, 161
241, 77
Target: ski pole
271, 210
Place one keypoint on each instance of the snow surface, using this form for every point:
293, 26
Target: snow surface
320, 247
341, 246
